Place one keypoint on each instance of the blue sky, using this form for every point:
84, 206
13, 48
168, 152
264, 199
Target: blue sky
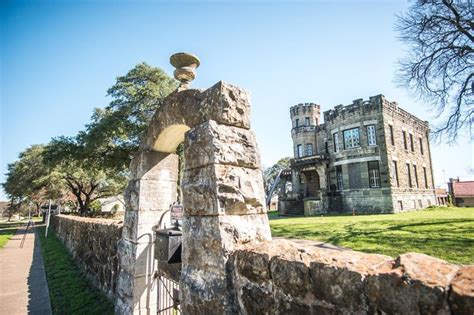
59, 57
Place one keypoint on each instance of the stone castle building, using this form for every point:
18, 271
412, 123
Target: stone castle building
368, 157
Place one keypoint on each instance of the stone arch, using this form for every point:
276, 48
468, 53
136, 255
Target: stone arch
223, 198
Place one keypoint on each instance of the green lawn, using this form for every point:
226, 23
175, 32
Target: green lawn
7, 230
70, 291
447, 233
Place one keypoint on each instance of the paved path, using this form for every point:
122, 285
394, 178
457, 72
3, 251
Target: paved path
23, 286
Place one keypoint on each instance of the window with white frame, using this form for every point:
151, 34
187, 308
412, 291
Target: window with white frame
351, 138
309, 149
299, 151
307, 122
374, 174
335, 137
371, 136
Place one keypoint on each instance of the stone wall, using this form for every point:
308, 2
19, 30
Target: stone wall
356, 193
285, 277
406, 127
282, 277
93, 244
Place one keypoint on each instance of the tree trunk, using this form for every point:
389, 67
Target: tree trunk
38, 208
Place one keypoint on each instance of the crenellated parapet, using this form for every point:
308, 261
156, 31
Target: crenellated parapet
305, 114
392, 109
358, 106
374, 103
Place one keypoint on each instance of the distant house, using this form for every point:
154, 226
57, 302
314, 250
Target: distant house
441, 197
462, 193
112, 204
55, 209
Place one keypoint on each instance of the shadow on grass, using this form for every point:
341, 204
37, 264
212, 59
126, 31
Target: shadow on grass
449, 239
7, 231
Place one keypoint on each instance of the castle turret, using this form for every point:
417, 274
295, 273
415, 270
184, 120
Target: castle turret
304, 119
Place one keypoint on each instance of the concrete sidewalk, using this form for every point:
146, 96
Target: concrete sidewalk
23, 286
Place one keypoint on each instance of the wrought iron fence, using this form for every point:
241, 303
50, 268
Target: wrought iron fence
168, 297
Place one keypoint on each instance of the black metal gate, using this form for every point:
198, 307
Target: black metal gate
168, 296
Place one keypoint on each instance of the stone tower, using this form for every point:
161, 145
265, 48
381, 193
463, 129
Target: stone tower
304, 119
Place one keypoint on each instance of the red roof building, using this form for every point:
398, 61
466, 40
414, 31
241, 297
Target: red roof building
462, 192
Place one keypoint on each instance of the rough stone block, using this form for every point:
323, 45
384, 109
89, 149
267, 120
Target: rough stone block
461, 296
291, 276
154, 166
258, 299
339, 277
138, 226
150, 195
212, 143
136, 259
227, 104
223, 103
204, 292
420, 284
218, 189
175, 110
244, 229
254, 266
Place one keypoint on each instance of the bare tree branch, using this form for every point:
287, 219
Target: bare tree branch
439, 67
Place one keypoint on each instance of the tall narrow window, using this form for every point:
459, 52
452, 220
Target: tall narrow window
410, 184
395, 173
297, 123
326, 146
309, 149
426, 177
392, 139
299, 151
351, 138
421, 145
405, 145
415, 174
371, 137
412, 147
335, 137
374, 174
340, 181
306, 121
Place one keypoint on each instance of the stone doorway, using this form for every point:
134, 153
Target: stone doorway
310, 184
223, 199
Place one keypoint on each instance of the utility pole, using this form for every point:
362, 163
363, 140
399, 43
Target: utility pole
47, 221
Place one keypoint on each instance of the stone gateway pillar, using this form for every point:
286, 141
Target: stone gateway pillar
223, 199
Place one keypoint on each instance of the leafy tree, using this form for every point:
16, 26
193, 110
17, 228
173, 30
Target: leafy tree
270, 174
28, 180
114, 133
439, 66
94, 164
81, 171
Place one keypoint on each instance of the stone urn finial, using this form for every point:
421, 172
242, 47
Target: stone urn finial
185, 64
